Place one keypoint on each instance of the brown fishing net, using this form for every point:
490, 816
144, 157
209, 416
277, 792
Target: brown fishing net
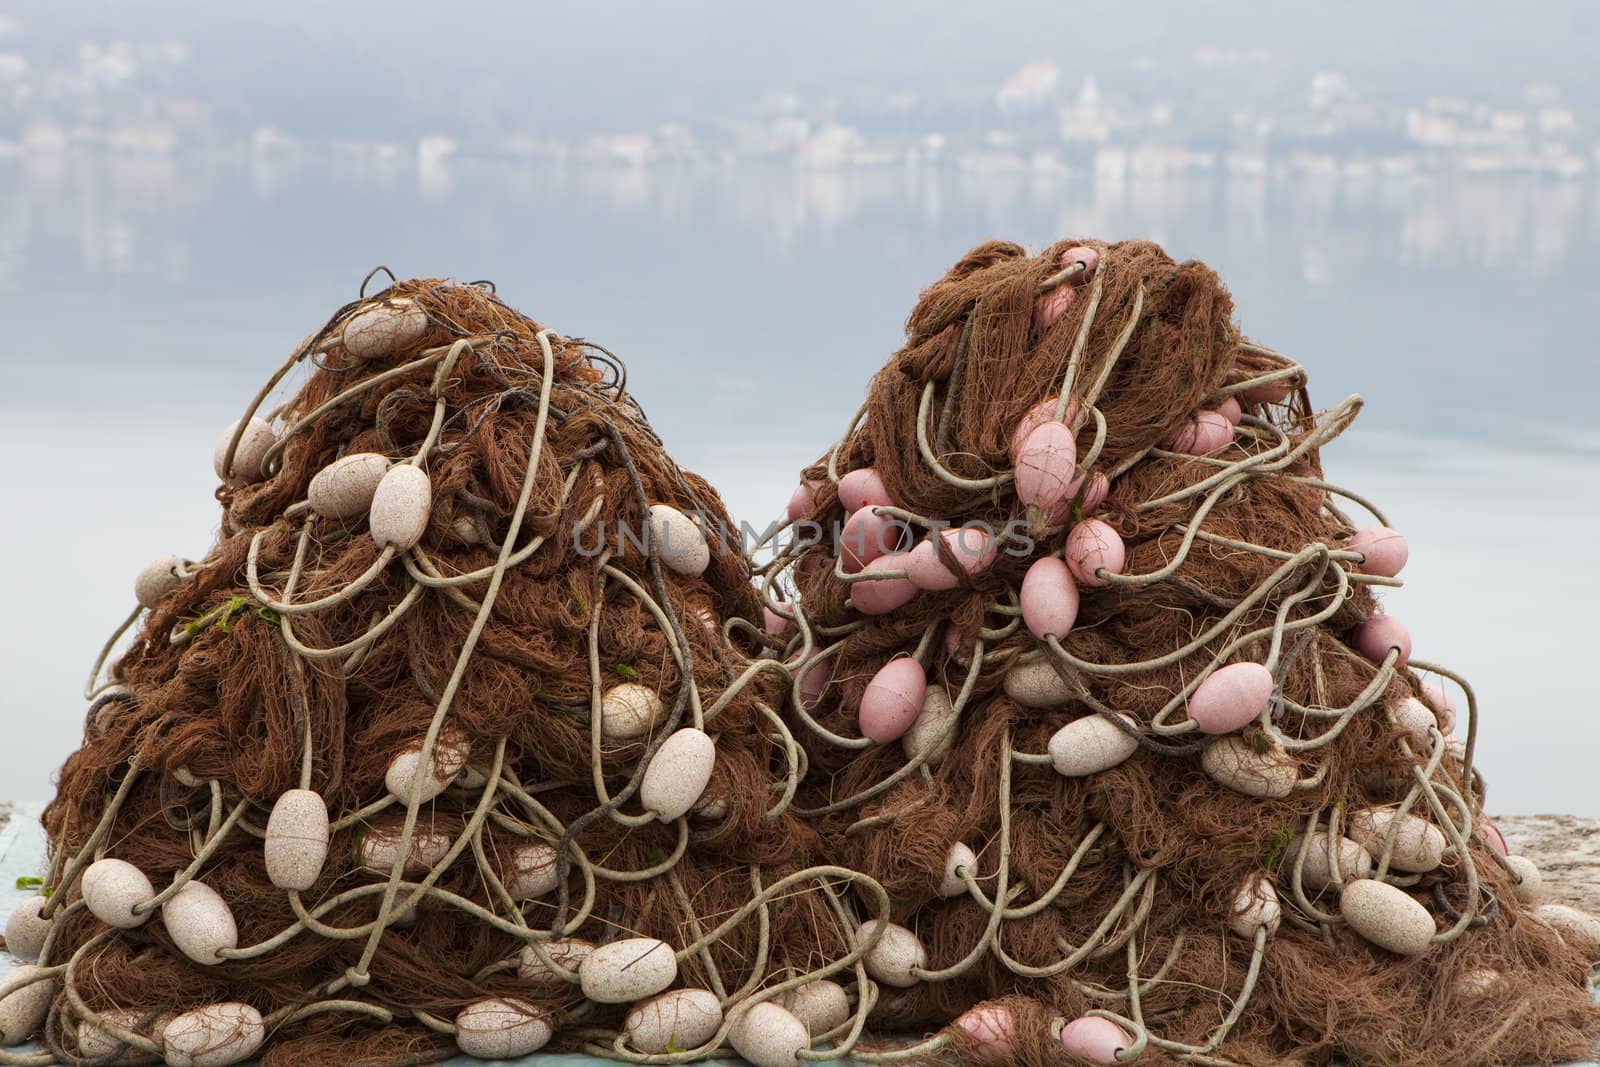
443, 729
1034, 765
463, 737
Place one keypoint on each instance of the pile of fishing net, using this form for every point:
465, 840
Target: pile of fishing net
445, 744
1060, 725
1091, 677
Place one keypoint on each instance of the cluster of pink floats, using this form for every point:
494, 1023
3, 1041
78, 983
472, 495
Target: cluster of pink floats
1043, 451
1044, 460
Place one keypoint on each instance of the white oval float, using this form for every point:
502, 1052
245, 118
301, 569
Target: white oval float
501, 1028
628, 970
567, 953
1316, 874
1386, 916
400, 507
1090, 745
1231, 761
345, 488
1418, 844
681, 1019
296, 844
821, 1005
892, 960
380, 849
382, 329
679, 542
200, 922
217, 1035
23, 1011
960, 859
931, 734
627, 711
158, 578
1035, 684
257, 439
769, 1036
1255, 907
678, 774
533, 871
111, 888
1530, 881
26, 929
450, 754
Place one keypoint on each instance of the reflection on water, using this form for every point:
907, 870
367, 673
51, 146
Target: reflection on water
144, 299
124, 212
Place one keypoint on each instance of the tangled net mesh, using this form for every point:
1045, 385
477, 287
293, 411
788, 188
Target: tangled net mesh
1079, 869
533, 758
467, 694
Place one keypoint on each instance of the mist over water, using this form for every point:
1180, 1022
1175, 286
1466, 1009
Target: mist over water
144, 301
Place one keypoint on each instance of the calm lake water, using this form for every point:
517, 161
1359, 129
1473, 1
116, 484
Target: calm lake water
144, 300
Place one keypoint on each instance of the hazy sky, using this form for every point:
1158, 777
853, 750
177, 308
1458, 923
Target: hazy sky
377, 67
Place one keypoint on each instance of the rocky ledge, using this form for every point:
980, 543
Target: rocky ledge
1567, 850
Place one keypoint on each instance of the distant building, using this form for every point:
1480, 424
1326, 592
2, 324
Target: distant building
831, 147
1087, 119
1557, 120
1028, 87
1328, 87
1433, 130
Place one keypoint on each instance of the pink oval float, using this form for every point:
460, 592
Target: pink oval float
1493, 838
1375, 637
1089, 257
993, 1029
1385, 550
1230, 410
1095, 493
1438, 698
1270, 393
866, 536
1232, 697
1181, 437
772, 622
1041, 413
862, 488
813, 681
879, 596
802, 502
1095, 1039
1049, 598
1052, 305
973, 548
892, 700
1206, 433
1044, 467
1214, 434
925, 571
1091, 546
